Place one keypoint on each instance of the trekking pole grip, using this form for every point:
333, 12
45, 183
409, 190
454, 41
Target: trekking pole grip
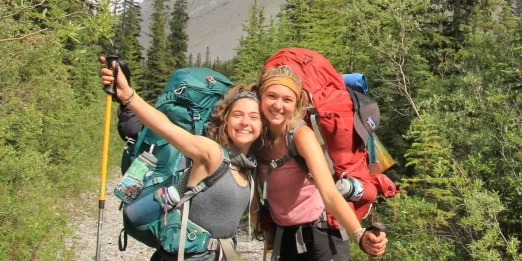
111, 89
376, 229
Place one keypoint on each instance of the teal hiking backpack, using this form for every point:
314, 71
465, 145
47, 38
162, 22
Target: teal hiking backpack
187, 100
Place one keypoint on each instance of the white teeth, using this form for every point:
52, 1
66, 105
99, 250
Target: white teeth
276, 113
244, 132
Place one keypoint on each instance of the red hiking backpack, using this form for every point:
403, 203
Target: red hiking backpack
331, 116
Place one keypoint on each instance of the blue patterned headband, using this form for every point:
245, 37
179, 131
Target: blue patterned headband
244, 94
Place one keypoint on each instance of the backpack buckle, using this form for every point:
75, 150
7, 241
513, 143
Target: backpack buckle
196, 117
276, 163
213, 244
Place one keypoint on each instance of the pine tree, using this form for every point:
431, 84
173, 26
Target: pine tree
208, 61
178, 37
127, 31
157, 72
295, 22
429, 158
250, 52
326, 24
216, 65
198, 60
190, 61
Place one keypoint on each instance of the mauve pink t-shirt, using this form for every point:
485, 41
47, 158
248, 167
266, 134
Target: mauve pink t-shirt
294, 199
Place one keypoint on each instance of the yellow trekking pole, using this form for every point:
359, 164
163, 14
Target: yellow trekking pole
111, 92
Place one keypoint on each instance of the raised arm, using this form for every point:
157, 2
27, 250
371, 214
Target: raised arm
309, 148
198, 148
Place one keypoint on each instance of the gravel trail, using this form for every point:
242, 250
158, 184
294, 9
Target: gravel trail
84, 224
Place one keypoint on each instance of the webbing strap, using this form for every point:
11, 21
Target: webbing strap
154, 181
276, 249
344, 233
183, 232
321, 222
273, 165
206, 182
139, 141
299, 241
252, 188
227, 248
315, 126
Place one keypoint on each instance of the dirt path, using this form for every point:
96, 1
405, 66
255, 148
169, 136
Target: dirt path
85, 226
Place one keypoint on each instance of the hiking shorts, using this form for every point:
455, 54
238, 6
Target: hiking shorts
322, 244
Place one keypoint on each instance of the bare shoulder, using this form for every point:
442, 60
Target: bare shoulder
306, 142
304, 134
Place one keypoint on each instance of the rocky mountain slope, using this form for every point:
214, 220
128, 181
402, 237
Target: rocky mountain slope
213, 23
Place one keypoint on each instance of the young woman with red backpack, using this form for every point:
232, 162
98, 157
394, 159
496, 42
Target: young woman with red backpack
297, 200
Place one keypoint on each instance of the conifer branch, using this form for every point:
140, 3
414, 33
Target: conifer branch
23, 36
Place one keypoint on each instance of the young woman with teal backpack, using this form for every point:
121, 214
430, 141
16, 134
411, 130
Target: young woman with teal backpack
235, 129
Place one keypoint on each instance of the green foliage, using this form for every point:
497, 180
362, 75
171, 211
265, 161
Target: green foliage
177, 41
127, 31
446, 74
251, 52
51, 112
156, 72
447, 77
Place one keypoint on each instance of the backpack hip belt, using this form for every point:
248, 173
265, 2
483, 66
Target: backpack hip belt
321, 222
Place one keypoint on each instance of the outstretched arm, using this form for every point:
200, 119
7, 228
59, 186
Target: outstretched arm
309, 148
198, 148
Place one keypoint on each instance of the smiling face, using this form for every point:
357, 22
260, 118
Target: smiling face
278, 103
244, 123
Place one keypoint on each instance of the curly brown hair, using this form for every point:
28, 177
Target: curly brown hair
218, 120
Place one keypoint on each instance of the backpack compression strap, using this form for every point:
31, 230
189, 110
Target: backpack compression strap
314, 119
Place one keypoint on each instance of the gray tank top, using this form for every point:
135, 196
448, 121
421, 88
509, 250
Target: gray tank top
220, 207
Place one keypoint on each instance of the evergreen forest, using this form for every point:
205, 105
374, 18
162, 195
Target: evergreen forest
447, 75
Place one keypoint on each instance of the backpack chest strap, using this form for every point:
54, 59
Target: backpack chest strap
273, 164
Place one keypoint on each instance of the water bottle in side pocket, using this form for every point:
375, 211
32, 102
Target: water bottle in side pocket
132, 182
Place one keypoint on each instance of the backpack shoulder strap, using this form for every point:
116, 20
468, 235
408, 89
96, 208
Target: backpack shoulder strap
292, 148
290, 143
139, 141
203, 185
289, 137
209, 180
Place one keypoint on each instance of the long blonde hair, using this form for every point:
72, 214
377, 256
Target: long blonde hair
302, 97
218, 120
